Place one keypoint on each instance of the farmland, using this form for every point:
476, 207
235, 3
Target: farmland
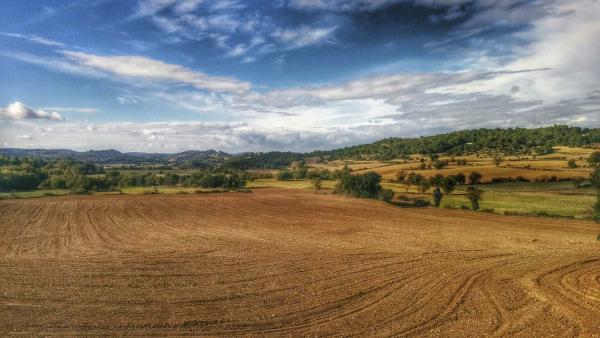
289, 262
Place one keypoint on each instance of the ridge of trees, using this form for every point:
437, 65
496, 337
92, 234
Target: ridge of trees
508, 141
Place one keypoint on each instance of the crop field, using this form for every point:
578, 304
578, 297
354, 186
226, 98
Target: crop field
290, 262
541, 167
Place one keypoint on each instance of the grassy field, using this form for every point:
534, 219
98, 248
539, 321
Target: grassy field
34, 193
294, 184
558, 199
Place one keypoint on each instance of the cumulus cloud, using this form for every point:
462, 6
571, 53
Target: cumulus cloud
146, 68
19, 111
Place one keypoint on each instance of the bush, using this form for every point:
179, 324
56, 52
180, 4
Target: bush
419, 202
386, 195
285, 175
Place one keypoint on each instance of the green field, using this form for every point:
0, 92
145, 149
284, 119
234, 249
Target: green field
34, 193
558, 199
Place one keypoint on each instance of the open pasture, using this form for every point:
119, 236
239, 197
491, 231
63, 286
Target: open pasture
290, 262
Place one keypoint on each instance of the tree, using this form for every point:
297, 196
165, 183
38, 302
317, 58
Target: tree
400, 176
474, 177
437, 196
594, 159
448, 184
423, 185
411, 179
497, 160
365, 186
284, 175
595, 181
438, 164
572, 164
316, 182
436, 180
386, 195
460, 178
474, 194
300, 172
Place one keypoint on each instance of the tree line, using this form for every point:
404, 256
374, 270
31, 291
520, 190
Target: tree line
508, 141
28, 173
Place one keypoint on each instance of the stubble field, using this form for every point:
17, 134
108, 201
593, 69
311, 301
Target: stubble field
290, 262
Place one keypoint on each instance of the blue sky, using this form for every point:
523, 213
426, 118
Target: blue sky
173, 75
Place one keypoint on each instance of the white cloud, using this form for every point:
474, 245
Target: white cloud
151, 7
146, 68
72, 109
304, 35
19, 111
34, 38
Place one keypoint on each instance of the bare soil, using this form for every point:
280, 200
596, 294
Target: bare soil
286, 262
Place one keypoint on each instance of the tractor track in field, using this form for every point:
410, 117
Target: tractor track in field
282, 262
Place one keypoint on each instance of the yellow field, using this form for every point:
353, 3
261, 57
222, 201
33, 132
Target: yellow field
538, 168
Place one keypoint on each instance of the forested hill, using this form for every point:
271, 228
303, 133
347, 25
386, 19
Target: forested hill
207, 157
508, 141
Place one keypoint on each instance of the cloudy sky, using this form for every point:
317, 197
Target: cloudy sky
173, 75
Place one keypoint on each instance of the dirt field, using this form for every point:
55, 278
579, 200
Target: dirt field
293, 263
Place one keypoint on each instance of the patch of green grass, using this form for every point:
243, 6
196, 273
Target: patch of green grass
35, 193
547, 199
294, 184
160, 190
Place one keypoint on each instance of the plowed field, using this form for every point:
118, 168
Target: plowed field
286, 262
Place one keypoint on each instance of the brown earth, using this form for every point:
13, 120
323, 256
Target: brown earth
290, 263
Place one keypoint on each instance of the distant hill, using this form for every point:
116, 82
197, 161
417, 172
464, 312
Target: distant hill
507, 141
111, 156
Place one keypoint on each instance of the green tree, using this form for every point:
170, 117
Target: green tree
423, 185
460, 178
595, 181
317, 183
400, 176
438, 164
448, 184
437, 196
594, 158
474, 194
386, 195
572, 164
474, 177
498, 160
284, 175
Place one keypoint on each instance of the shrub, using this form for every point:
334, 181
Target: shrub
284, 175
419, 202
386, 195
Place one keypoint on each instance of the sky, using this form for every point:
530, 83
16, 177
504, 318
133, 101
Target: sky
297, 75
